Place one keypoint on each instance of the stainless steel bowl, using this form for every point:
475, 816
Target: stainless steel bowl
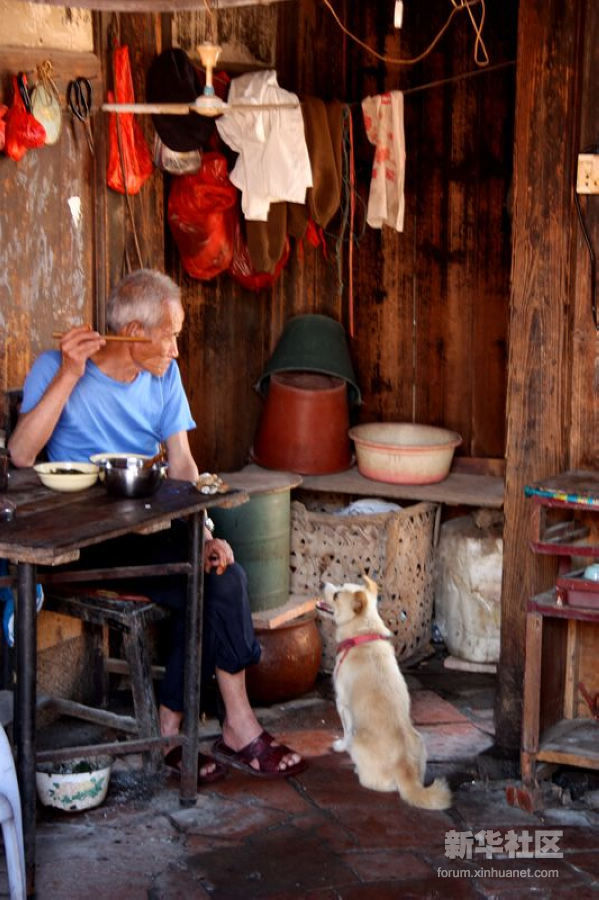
130, 476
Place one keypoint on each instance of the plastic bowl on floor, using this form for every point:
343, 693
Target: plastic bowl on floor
74, 785
404, 452
67, 476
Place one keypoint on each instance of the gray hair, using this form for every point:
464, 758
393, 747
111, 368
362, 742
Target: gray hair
139, 297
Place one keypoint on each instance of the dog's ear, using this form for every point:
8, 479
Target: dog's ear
329, 590
359, 602
371, 585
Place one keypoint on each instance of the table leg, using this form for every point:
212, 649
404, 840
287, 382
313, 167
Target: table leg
24, 709
193, 653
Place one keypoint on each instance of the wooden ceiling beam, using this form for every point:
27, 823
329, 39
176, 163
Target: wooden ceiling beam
155, 6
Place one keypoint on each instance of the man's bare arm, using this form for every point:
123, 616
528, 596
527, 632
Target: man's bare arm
181, 463
35, 427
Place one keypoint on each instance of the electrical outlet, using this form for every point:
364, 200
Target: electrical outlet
587, 180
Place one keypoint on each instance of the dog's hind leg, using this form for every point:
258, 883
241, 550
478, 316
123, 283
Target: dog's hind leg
343, 743
373, 772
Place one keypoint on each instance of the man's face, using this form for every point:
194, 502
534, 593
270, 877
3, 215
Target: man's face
156, 357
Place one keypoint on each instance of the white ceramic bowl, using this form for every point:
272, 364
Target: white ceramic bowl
74, 785
404, 452
67, 476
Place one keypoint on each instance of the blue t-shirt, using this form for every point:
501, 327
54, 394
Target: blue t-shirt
107, 416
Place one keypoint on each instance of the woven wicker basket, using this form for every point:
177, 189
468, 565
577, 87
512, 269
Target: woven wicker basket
394, 548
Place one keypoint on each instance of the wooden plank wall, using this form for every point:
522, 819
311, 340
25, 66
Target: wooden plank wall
553, 401
431, 303
46, 226
430, 323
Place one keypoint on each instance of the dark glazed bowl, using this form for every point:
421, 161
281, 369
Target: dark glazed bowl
129, 476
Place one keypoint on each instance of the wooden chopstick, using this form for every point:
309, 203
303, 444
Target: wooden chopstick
111, 337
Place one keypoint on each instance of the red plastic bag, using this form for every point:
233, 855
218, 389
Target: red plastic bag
23, 131
242, 270
128, 153
202, 214
3, 111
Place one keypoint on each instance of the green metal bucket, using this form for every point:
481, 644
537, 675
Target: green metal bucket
313, 343
259, 533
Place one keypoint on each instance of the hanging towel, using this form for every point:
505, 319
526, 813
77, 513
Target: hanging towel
323, 125
273, 162
383, 120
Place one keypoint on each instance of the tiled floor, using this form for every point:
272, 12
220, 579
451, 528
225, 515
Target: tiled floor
321, 835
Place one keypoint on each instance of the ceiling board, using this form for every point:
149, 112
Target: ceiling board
155, 6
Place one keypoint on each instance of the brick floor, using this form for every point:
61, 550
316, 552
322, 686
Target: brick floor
320, 836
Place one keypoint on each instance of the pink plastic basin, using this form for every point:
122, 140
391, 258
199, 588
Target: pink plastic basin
404, 452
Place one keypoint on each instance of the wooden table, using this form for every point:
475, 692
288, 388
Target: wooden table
50, 528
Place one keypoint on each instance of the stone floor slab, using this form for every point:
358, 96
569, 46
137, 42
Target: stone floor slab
456, 740
429, 709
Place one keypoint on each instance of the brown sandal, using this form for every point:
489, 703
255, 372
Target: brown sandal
261, 750
172, 761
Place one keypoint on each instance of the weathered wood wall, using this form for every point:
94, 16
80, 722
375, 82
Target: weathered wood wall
431, 303
46, 227
553, 396
430, 322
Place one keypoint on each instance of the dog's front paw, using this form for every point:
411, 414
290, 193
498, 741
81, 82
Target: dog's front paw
340, 745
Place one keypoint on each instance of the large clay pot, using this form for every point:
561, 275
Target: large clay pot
304, 424
289, 663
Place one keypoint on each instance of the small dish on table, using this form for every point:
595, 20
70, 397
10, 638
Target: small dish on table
67, 476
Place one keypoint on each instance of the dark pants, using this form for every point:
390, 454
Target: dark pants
229, 642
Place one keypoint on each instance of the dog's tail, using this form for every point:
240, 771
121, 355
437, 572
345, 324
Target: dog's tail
435, 796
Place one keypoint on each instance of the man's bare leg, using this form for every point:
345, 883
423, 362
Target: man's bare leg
170, 723
241, 725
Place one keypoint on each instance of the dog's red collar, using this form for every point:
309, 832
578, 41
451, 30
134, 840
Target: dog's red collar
345, 646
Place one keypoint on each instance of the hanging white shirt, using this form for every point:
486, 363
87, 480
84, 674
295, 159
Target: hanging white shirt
384, 123
273, 163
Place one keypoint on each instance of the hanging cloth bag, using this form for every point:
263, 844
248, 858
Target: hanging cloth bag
129, 160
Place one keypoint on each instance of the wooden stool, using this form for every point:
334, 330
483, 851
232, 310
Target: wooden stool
131, 618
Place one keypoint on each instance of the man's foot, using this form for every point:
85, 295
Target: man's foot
237, 739
170, 724
209, 770
263, 757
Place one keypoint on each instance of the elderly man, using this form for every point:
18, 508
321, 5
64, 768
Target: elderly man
96, 396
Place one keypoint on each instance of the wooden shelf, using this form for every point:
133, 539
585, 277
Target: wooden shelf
571, 742
458, 489
561, 639
560, 514
548, 604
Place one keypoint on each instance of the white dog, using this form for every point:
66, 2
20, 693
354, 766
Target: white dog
373, 701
